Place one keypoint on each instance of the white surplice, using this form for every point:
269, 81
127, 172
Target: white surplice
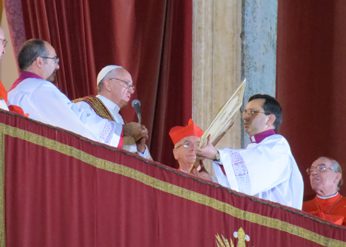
114, 111
3, 105
266, 170
44, 102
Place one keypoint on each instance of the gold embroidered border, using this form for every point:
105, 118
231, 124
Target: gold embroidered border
167, 187
97, 105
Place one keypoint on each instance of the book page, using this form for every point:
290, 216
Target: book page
225, 117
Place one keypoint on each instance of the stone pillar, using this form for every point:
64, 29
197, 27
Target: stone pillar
216, 61
259, 48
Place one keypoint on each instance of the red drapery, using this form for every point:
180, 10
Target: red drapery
152, 39
311, 79
58, 189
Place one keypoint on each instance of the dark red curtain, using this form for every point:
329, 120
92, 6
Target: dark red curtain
152, 39
311, 79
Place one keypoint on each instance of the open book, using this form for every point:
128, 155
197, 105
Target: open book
225, 117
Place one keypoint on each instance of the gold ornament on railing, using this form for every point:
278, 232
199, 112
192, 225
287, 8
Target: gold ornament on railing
222, 241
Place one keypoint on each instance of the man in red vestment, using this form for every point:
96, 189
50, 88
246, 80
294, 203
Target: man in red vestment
186, 140
326, 180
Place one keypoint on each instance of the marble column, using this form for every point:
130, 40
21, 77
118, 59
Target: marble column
216, 61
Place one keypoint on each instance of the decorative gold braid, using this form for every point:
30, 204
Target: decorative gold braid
97, 106
221, 241
241, 236
169, 188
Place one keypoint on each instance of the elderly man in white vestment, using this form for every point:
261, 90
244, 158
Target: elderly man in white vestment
43, 101
115, 88
266, 168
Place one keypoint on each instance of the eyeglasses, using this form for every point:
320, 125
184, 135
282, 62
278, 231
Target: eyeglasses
188, 144
4, 42
321, 168
56, 59
252, 112
128, 84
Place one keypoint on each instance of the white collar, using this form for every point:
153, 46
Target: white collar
328, 196
110, 105
113, 108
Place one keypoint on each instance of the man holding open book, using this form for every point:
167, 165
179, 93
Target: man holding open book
266, 168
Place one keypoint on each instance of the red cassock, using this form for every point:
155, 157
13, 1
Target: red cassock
331, 209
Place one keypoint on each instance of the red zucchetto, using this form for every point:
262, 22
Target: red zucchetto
179, 132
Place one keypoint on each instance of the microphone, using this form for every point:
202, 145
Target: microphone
136, 104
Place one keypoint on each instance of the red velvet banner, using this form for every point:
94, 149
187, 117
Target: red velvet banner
59, 189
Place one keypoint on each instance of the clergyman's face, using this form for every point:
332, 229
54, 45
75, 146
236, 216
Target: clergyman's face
185, 151
254, 117
121, 86
51, 64
323, 179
